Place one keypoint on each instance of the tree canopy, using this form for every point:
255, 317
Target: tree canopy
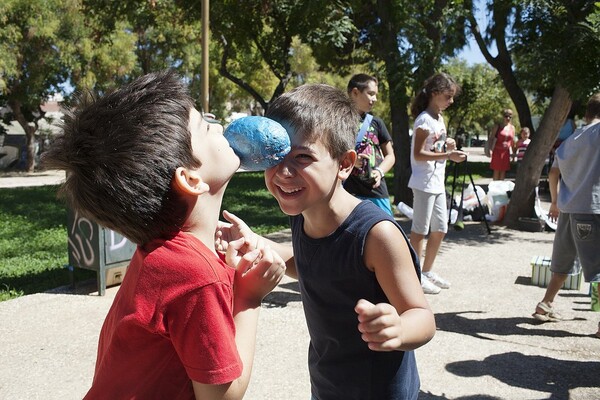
551, 49
547, 56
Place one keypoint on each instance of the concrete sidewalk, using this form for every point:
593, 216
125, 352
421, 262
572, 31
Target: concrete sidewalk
487, 346
39, 178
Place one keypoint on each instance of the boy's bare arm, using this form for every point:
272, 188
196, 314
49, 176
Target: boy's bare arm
407, 322
257, 273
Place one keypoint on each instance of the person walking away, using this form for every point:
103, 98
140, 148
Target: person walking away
430, 149
575, 200
375, 150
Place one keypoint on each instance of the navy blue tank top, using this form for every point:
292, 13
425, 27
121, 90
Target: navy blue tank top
333, 277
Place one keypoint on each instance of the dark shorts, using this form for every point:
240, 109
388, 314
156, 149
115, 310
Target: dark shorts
577, 235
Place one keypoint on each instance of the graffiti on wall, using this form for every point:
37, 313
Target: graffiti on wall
91, 245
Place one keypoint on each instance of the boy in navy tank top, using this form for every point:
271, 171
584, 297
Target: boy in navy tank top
358, 275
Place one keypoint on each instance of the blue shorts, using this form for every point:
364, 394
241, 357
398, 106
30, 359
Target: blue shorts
384, 204
577, 235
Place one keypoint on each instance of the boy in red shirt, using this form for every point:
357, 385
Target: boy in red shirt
144, 162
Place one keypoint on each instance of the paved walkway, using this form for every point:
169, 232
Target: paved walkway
487, 346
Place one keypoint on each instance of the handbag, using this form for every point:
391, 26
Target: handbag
365, 172
490, 144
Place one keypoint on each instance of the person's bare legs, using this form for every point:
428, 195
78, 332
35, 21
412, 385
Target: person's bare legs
431, 250
499, 175
416, 241
556, 282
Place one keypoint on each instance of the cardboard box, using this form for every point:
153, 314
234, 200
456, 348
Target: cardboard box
541, 274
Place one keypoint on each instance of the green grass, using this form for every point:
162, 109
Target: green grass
248, 198
33, 241
33, 233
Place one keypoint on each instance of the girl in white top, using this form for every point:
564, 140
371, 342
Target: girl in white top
430, 148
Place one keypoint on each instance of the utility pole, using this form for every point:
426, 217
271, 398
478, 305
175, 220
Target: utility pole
205, 42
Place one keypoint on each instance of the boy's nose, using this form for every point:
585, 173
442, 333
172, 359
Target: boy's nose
284, 169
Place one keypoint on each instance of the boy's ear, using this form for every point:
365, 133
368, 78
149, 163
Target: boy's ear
188, 181
346, 164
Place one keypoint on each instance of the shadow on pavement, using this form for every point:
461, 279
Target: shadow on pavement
430, 396
284, 294
457, 323
543, 374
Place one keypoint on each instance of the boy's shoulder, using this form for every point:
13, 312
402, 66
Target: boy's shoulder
366, 214
377, 127
184, 257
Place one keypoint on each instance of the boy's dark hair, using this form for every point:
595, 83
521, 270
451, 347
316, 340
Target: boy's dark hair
361, 82
120, 152
593, 107
438, 83
318, 112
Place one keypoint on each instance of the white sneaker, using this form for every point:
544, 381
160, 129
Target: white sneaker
428, 286
437, 280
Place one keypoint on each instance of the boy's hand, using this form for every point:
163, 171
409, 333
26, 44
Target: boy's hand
379, 325
257, 273
234, 230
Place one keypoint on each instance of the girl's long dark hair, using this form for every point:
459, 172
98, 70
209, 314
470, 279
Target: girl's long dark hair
438, 83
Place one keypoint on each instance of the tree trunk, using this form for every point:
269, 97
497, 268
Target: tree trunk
396, 75
401, 138
503, 64
29, 133
533, 162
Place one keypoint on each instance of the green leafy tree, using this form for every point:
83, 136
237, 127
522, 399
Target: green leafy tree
410, 39
46, 45
257, 38
553, 51
162, 35
34, 58
482, 96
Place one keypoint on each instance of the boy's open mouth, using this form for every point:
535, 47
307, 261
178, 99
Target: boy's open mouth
289, 191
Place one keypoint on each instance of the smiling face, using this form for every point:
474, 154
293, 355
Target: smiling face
305, 179
218, 161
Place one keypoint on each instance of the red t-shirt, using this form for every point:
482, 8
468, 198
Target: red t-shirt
170, 323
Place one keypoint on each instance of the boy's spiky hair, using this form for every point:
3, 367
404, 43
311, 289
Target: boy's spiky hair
120, 152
